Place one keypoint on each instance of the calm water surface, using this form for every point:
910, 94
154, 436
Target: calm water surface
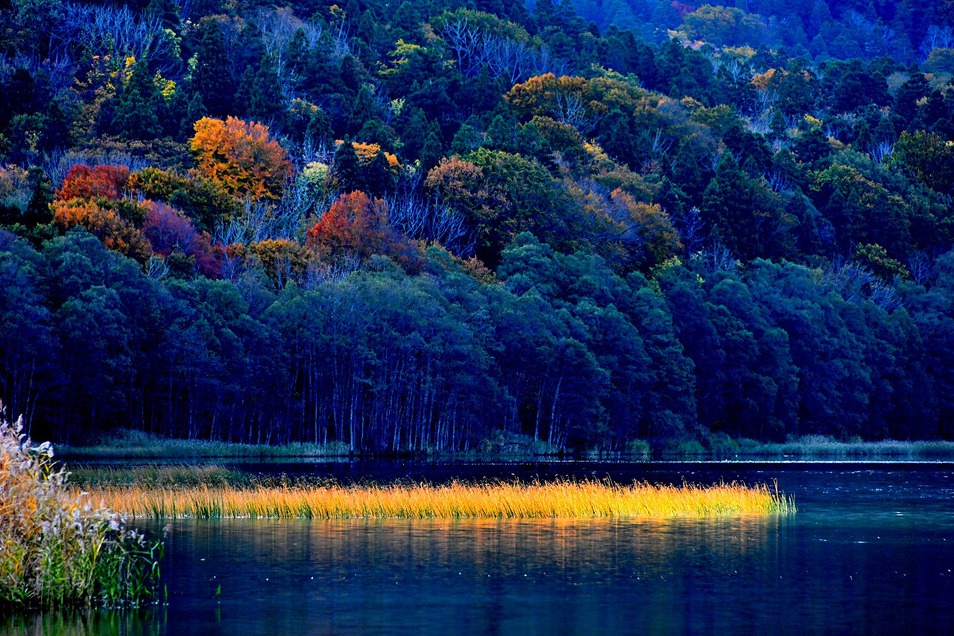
871, 551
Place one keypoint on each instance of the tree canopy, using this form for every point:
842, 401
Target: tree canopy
432, 225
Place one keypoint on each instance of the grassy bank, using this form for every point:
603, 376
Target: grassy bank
56, 547
586, 499
136, 445
129, 444
819, 447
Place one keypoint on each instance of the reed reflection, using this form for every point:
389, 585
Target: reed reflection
486, 575
139, 622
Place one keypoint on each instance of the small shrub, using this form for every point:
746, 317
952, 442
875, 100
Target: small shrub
722, 446
56, 548
639, 449
683, 448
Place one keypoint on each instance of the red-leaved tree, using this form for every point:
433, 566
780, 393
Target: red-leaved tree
84, 182
356, 225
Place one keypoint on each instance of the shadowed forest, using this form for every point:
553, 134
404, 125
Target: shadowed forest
429, 225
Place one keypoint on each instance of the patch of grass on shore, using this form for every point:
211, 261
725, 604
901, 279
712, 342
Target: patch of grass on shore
156, 476
138, 445
562, 499
130, 444
825, 447
56, 548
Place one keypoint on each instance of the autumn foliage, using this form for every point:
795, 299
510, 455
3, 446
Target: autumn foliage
564, 98
105, 223
168, 230
84, 182
355, 225
281, 259
651, 224
241, 157
367, 152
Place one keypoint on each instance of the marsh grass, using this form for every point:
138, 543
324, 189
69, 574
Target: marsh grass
129, 444
825, 447
56, 548
561, 499
157, 476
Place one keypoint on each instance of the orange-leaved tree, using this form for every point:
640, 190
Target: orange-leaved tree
84, 182
241, 157
105, 223
356, 225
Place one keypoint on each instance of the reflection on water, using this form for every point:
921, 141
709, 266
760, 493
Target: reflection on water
867, 554
146, 622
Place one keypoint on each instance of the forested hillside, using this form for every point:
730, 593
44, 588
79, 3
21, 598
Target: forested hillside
423, 225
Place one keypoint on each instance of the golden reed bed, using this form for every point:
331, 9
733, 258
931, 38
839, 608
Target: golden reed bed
566, 499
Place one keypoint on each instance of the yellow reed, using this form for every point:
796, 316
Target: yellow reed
561, 499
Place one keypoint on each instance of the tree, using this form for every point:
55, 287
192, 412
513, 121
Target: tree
356, 225
83, 182
204, 202
564, 99
862, 210
97, 359
282, 260
27, 346
346, 173
724, 26
137, 114
240, 157
259, 95
168, 230
652, 225
745, 214
212, 76
928, 157
105, 223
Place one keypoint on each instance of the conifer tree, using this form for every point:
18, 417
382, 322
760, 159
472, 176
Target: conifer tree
212, 77
137, 113
347, 174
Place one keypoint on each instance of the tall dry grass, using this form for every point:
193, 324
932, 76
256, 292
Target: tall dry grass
56, 548
563, 499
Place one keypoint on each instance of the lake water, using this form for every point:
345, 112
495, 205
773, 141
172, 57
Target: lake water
871, 551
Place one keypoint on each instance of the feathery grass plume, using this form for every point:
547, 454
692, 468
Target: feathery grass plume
56, 548
560, 499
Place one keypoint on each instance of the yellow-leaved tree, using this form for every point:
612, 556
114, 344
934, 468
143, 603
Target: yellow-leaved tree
241, 157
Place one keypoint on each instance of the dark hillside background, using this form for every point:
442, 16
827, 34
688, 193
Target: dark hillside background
406, 226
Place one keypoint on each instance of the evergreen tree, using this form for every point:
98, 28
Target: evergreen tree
212, 77
347, 174
267, 98
137, 114
379, 178
245, 93
195, 111
41, 196
319, 128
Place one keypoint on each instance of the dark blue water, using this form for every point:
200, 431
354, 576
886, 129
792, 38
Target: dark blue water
871, 551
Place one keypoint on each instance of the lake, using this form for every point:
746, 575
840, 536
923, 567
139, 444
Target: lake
871, 551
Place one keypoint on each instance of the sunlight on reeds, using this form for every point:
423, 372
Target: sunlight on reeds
561, 499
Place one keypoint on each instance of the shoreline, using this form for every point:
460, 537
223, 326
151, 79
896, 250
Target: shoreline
136, 446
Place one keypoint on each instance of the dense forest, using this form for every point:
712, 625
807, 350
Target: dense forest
423, 225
